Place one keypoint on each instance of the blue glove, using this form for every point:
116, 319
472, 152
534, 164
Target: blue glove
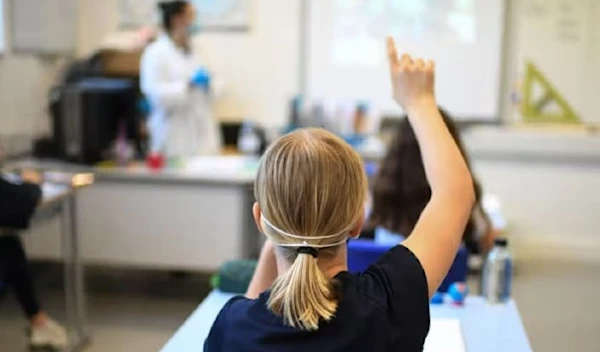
201, 79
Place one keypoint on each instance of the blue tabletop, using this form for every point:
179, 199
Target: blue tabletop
486, 328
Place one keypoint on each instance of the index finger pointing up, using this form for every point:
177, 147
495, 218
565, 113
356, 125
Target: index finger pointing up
392, 53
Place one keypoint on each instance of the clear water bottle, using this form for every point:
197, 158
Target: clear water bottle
248, 139
497, 273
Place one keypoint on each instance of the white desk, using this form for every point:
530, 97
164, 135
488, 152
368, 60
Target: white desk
194, 218
486, 328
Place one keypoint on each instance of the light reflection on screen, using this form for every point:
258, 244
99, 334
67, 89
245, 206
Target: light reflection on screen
358, 26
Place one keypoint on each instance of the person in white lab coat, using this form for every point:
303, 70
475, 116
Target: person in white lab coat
178, 89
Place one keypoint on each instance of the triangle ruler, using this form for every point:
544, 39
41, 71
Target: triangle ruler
542, 102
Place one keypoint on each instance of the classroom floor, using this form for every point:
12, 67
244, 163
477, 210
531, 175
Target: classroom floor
138, 310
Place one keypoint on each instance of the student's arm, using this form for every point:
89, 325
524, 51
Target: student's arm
438, 233
266, 272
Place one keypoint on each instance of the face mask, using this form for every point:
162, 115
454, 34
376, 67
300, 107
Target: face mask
305, 239
194, 29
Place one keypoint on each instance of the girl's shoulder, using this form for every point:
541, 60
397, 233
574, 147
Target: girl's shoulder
397, 281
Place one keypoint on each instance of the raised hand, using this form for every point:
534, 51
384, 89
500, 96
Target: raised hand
413, 80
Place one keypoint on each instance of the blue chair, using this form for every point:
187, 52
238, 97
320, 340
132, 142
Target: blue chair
364, 252
355, 140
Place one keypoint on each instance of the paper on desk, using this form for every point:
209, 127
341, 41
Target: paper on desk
221, 164
445, 335
51, 190
12, 177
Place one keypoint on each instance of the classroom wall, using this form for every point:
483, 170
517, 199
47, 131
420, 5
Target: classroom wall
259, 88
24, 84
260, 67
546, 177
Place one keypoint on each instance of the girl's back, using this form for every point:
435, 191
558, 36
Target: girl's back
384, 309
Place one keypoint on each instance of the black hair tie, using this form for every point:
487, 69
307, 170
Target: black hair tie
308, 250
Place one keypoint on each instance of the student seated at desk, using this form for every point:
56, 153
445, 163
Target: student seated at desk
311, 189
401, 191
17, 205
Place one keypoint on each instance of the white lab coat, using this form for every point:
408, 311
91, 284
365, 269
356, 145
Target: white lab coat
181, 122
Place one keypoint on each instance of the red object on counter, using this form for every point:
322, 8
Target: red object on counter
155, 161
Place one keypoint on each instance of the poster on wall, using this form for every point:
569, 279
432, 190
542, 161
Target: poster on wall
212, 15
223, 15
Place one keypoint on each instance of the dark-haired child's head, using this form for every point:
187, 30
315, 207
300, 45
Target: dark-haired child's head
401, 190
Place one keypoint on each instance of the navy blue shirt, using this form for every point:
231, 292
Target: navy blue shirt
384, 309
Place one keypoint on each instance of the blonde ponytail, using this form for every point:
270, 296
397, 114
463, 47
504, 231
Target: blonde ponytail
311, 187
303, 296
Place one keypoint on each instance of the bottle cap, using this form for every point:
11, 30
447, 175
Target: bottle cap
501, 242
247, 124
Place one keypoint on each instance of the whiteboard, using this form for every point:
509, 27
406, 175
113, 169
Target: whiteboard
347, 59
562, 39
591, 113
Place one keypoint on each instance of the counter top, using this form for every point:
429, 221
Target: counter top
554, 145
526, 144
483, 143
220, 170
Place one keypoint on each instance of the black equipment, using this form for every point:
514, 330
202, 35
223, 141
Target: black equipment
88, 114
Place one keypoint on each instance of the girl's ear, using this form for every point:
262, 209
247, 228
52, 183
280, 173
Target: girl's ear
257, 216
356, 230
